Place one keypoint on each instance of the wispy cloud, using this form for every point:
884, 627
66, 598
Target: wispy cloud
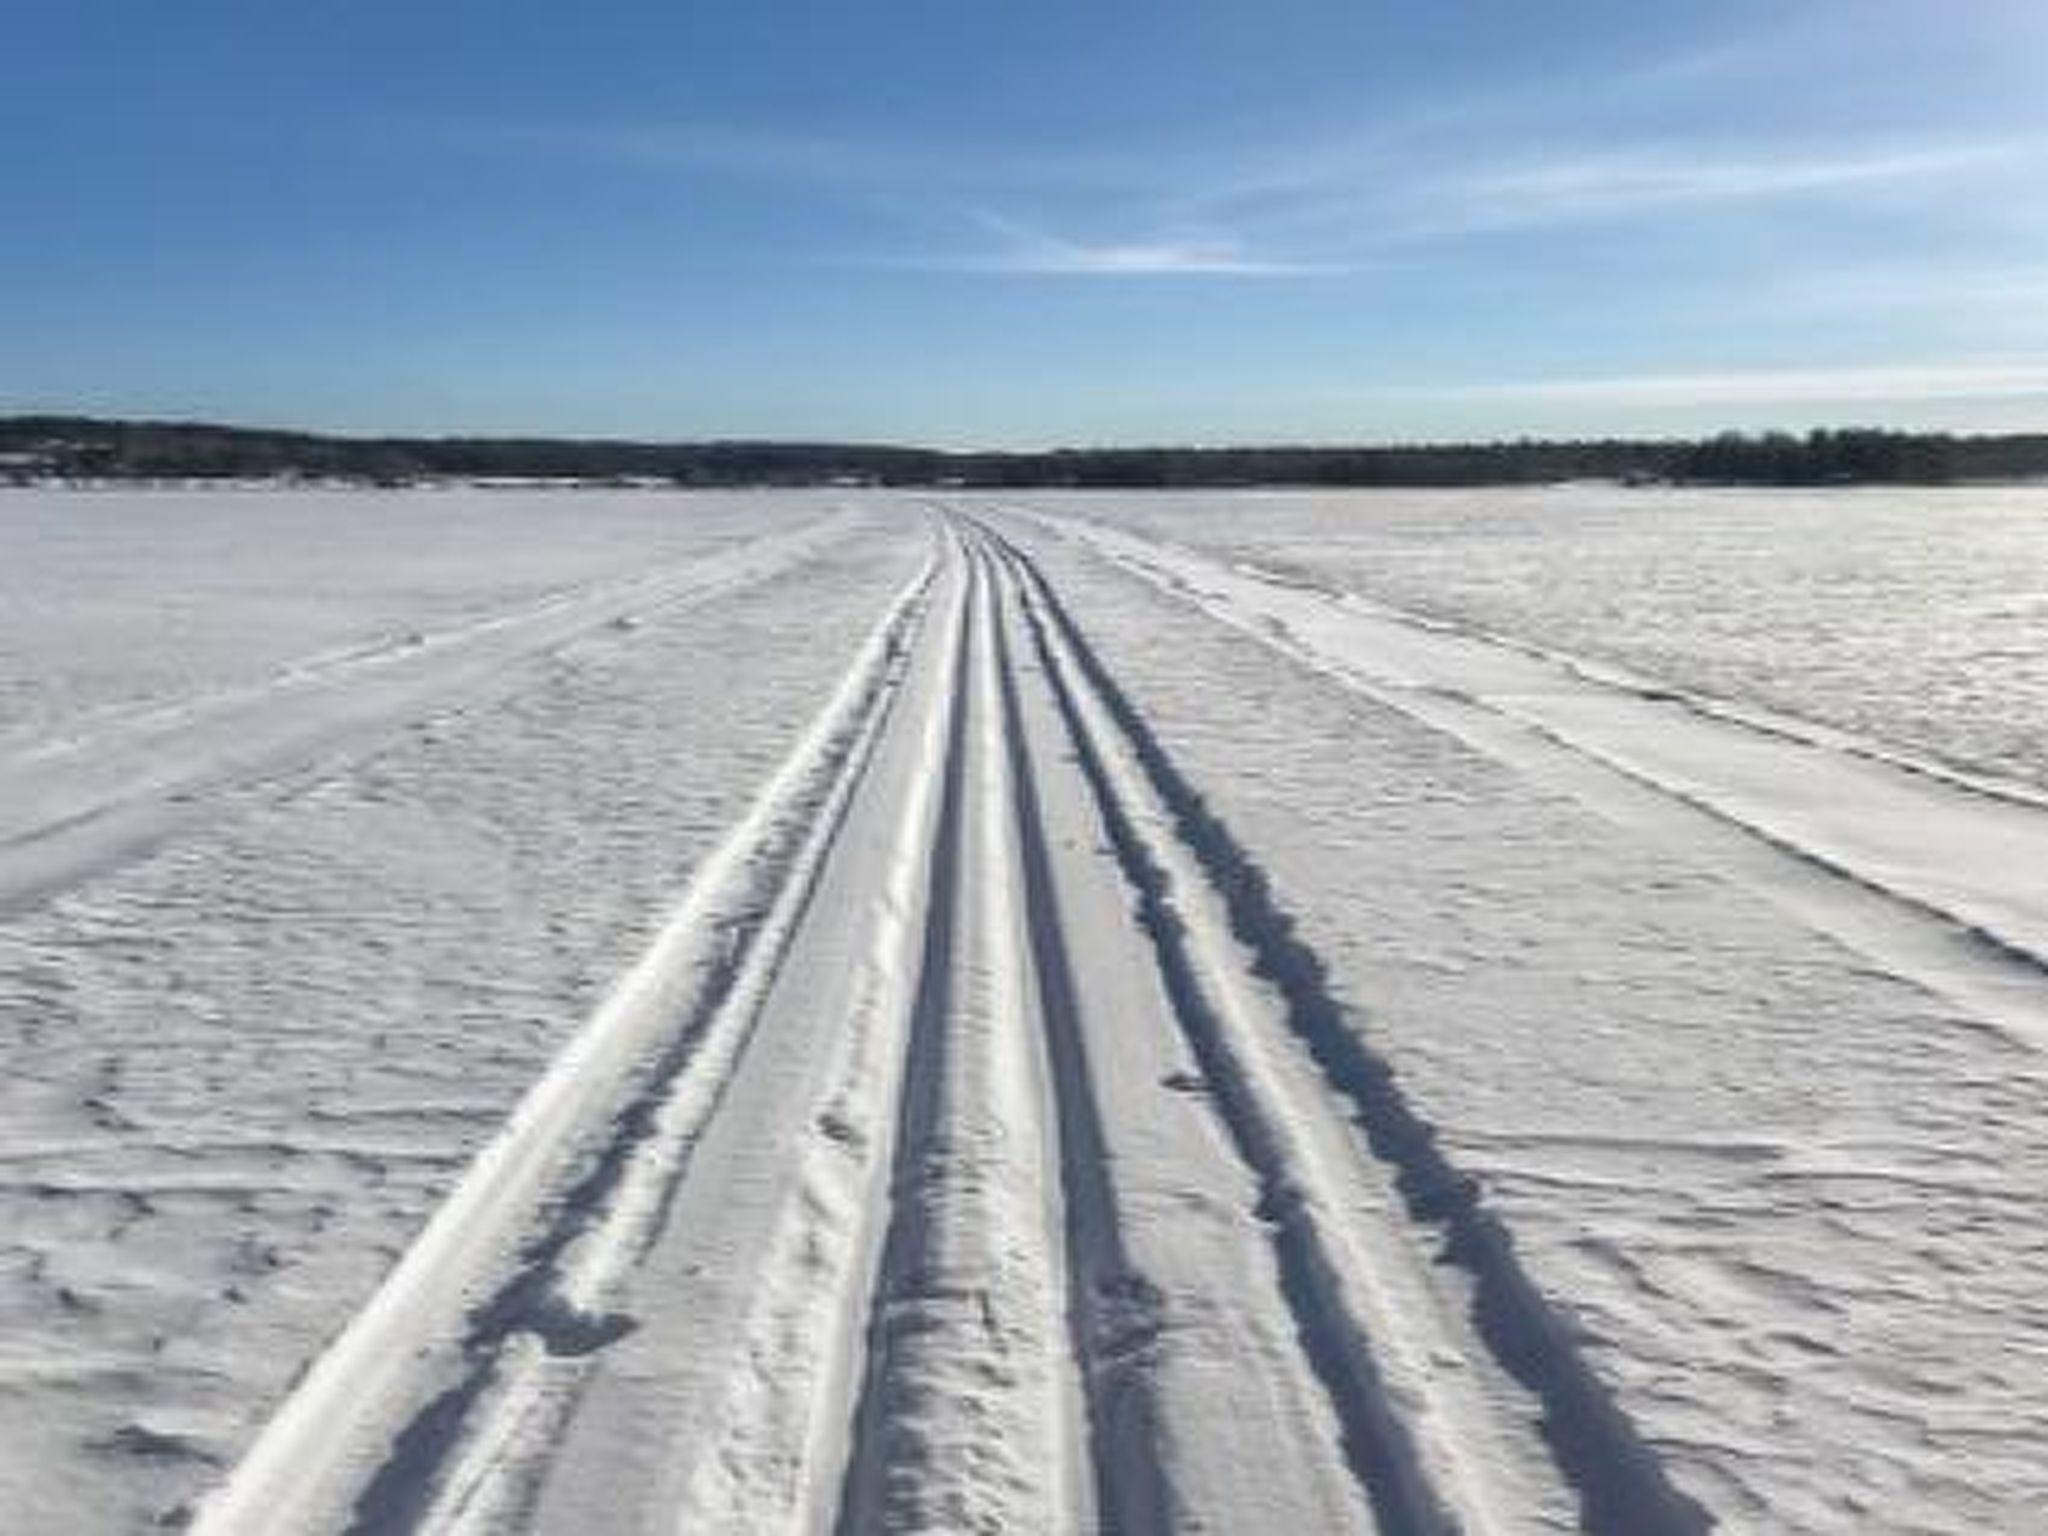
1135, 259
1009, 246
1984, 379
1408, 181
1575, 187
1365, 197
1357, 201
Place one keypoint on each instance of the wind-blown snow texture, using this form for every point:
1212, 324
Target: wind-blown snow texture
1401, 1013
241, 1070
1915, 617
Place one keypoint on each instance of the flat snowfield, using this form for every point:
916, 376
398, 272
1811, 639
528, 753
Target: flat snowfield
844, 1012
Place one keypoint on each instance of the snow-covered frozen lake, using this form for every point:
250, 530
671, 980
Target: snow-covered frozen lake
114, 599
554, 1011
1917, 617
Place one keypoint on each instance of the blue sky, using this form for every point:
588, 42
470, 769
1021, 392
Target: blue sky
1021, 223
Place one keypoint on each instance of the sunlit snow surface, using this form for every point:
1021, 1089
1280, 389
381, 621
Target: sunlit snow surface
241, 1070
1918, 617
115, 600
1790, 1195
1752, 1133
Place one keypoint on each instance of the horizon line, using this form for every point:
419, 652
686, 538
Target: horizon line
14, 417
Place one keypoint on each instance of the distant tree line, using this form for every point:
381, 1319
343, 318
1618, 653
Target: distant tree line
1856, 457
91, 448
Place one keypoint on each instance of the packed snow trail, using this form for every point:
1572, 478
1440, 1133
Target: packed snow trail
966, 1270
1932, 872
495, 1270
974, 1149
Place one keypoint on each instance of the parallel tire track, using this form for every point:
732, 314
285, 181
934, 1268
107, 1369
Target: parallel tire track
563, 1308
1383, 1454
781, 1455
967, 1416
928, 1453
384, 1414
1618, 1480
1111, 1307
973, 1216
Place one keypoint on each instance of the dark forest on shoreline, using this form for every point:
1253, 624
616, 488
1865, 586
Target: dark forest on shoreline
42, 447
